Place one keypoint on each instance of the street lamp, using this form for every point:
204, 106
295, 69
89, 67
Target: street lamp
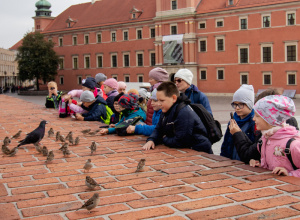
5, 78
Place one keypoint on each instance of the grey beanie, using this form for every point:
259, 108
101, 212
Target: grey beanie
144, 93
153, 95
245, 94
100, 77
87, 96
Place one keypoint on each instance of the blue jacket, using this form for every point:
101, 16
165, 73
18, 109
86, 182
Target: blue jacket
184, 131
247, 126
139, 112
148, 129
96, 110
198, 97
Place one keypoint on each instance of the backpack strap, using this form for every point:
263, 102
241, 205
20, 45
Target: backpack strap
260, 142
287, 152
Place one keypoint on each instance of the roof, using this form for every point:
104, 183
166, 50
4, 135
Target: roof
104, 12
18, 44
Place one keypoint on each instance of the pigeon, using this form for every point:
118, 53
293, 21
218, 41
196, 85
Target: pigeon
13, 152
69, 135
50, 156
50, 132
5, 149
86, 131
45, 151
57, 136
65, 145
88, 165
62, 138
77, 140
91, 203
92, 133
140, 166
93, 147
17, 135
38, 148
35, 136
71, 140
6, 141
90, 182
66, 152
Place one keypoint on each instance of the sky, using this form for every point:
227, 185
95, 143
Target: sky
16, 18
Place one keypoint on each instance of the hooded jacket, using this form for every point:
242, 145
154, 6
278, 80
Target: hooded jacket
148, 129
150, 110
95, 110
184, 131
110, 99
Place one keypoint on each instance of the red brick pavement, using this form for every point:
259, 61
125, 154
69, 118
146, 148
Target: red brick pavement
176, 183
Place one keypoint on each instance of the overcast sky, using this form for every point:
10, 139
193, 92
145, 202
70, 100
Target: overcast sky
16, 17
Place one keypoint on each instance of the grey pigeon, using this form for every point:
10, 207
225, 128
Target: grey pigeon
50, 132
91, 203
17, 135
35, 136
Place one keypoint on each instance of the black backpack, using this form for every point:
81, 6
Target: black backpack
213, 127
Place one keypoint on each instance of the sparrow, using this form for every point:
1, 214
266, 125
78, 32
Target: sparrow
38, 148
93, 132
91, 203
50, 132
64, 146
69, 135
35, 136
77, 140
57, 136
71, 140
13, 152
50, 156
88, 165
140, 166
45, 151
90, 182
86, 131
6, 141
66, 152
17, 134
93, 147
5, 149
62, 138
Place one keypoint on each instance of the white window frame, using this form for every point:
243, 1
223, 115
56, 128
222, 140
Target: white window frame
140, 75
62, 41
127, 35
84, 57
137, 30
115, 76
97, 61
111, 60
173, 25
216, 41
84, 37
136, 57
63, 61
287, 77
202, 39
99, 33
239, 53
263, 78
244, 74
290, 43
79, 80
262, 20
176, 4
150, 55
218, 20
126, 75
126, 53
74, 62
61, 78
201, 22
202, 69
111, 36
151, 28
217, 70
240, 26
286, 17
73, 37
230, 2
262, 51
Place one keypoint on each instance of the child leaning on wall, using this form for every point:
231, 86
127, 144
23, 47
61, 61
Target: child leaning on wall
54, 96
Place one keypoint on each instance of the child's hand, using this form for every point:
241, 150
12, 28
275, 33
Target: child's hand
233, 127
112, 125
280, 171
104, 131
79, 103
254, 163
79, 117
130, 129
149, 145
67, 97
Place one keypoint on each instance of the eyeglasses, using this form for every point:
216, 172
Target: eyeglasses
178, 80
240, 105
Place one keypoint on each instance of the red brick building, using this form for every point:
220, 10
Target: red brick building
225, 43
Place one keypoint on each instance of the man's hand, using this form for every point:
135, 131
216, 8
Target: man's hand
254, 163
233, 127
130, 129
280, 171
149, 145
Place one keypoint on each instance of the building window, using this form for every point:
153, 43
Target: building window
99, 38
79, 80
140, 78
87, 62
140, 60
125, 35
60, 41
139, 34
291, 78
113, 36
75, 62
230, 2
86, 39
126, 60
126, 79
244, 78
243, 54
114, 61
152, 59
291, 18
267, 54
203, 75
152, 32
267, 80
202, 25
291, 52
220, 74
133, 16
174, 4
173, 29
99, 61
61, 63
202, 45
266, 21
243, 23
61, 80
115, 77
220, 44
220, 23
74, 40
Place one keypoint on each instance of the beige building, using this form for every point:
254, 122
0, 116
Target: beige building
8, 68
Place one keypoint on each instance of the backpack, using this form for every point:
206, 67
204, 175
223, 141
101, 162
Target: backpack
213, 127
109, 113
63, 109
121, 128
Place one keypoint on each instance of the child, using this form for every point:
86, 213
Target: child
130, 109
242, 103
100, 78
184, 129
156, 77
148, 129
116, 117
95, 107
110, 89
271, 113
52, 100
122, 87
144, 96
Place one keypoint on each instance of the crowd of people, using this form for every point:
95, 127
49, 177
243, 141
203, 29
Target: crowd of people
261, 132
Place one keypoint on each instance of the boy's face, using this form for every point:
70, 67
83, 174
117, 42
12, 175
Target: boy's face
152, 81
122, 90
87, 104
241, 109
52, 88
155, 104
117, 106
260, 123
165, 102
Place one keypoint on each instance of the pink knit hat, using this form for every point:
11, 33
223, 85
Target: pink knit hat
112, 83
159, 74
275, 109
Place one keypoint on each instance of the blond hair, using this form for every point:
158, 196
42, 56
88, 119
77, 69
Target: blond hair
52, 83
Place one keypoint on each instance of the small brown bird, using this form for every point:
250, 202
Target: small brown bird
90, 182
45, 151
13, 152
91, 203
88, 165
86, 131
77, 140
17, 134
93, 147
68, 135
62, 138
5, 149
92, 133
140, 166
50, 157
71, 140
66, 152
57, 136
50, 132
64, 146
6, 141
38, 148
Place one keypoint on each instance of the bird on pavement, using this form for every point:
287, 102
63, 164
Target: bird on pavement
88, 165
13, 152
50, 132
92, 133
45, 151
140, 166
91, 203
90, 182
93, 147
17, 135
35, 136
64, 146
86, 131
77, 140
38, 148
50, 157
69, 135
66, 152
62, 138
71, 140
57, 136
5, 149
6, 141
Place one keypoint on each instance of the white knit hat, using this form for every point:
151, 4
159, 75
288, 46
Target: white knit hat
185, 74
245, 94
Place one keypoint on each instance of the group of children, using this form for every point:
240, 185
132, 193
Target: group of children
262, 133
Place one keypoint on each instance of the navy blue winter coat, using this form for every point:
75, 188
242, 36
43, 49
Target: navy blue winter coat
95, 110
184, 131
